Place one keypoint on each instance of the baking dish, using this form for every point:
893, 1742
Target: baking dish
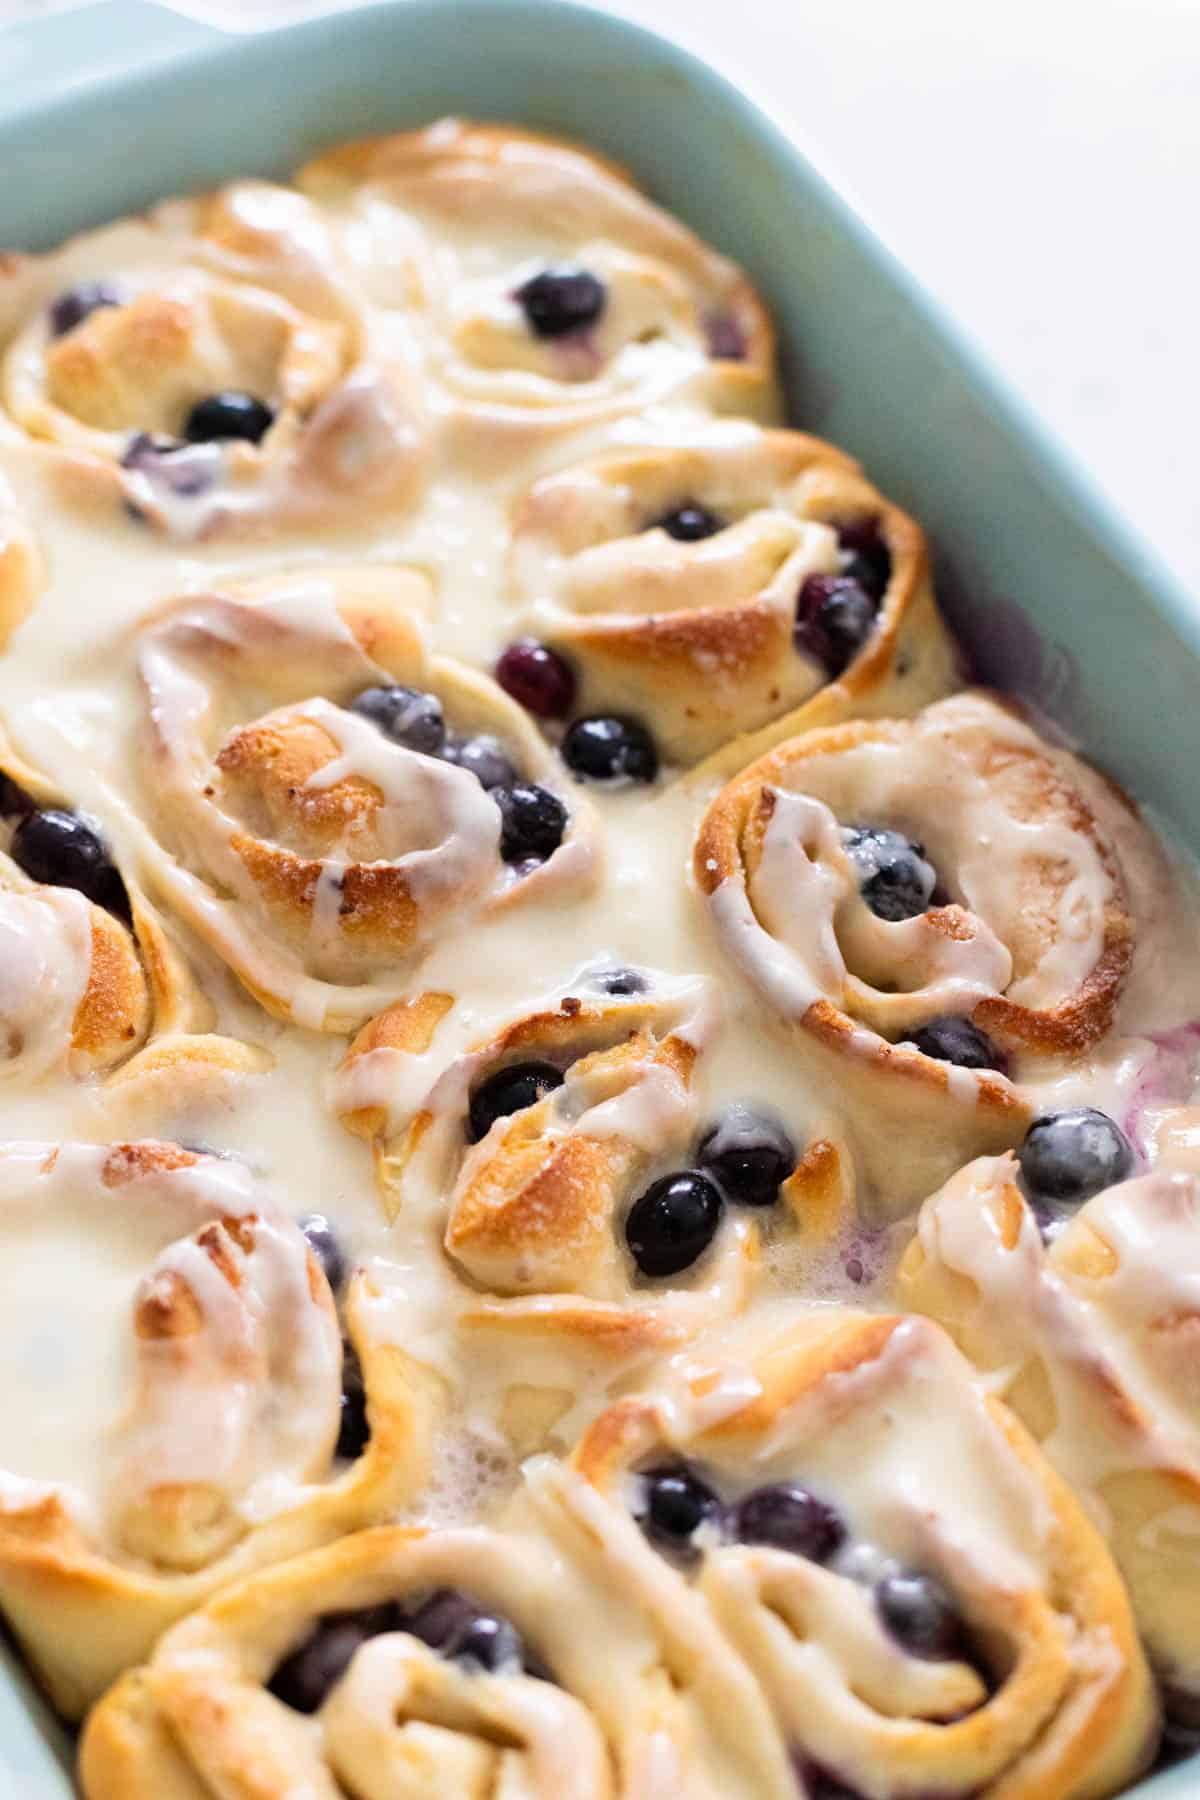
105, 110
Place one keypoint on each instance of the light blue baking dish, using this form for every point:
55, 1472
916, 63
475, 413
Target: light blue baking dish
106, 110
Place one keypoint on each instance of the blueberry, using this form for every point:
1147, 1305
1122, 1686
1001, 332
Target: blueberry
750, 1155
787, 1517
620, 982
834, 618
483, 757
354, 1430
954, 1039
303, 1679
820, 1784
897, 883
1069, 1156
458, 1628
920, 1615
180, 468
509, 1091
615, 749
532, 822
677, 1503
228, 415
325, 1246
725, 338
537, 678
63, 850
406, 715
689, 523
15, 803
868, 561
560, 300
78, 303
673, 1222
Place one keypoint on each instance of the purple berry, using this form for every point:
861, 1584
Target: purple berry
868, 561
786, 1516
834, 618
537, 678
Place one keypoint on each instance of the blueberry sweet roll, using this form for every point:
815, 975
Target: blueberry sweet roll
1073, 1286
540, 292
927, 903
714, 589
209, 369
921, 1600
327, 797
185, 1422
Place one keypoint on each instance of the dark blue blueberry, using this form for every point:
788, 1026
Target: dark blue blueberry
620, 982
868, 561
537, 678
676, 1504
78, 303
673, 1222
532, 822
560, 300
304, 1678
63, 850
456, 1626
1069, 1156
689, 523
184, 469
920, 1615
896, 881
324, 1243
406, 715
483, 757
834, 618
954, 1039
749, 1154
354, 1429
509, 1091
786, 1516
610, 749
219, 417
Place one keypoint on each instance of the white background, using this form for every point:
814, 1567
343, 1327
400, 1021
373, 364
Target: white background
1036, 163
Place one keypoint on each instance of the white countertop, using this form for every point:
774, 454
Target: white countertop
1037, 165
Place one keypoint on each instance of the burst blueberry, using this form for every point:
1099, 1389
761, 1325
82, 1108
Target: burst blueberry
63, 850
1069, 1156
621, 983
354, 1427
406, 715
786, 1516
616, 749
672, 1224
750, 1155
461, 1630
304, 1678
954, 1039
325, 1245
228, 415
533, 822
537, 678
509, 1091
866, 557
78, 303
560, 300
834, 618
895, 879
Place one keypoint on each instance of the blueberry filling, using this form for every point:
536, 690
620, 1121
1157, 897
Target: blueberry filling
537, 678
183, 469
676, 1504
447, 1621
354, 1429
896, 881
689, 523
560, 300
610, 749
60, 849
509, 1091
232, 414
620, 982
921, 1616
725, 337
406, 715
750, 1156
835, 616
786, 1516
324, 1243
672, 1224
78, 303
532, 822
867, 559
483, 757
954, 1039
1069, 1156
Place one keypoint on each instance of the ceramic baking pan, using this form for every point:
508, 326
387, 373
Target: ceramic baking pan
105, 110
